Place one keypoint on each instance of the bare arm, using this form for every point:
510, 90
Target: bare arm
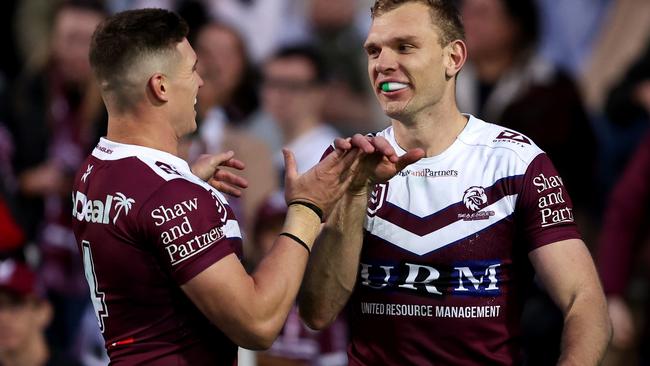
568, 274
332, 270
251, 310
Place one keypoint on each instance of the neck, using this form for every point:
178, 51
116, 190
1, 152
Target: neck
143, 129
433, 130
490, 68
33, 352
294, 130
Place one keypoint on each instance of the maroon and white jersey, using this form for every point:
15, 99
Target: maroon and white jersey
444, 266
145, 225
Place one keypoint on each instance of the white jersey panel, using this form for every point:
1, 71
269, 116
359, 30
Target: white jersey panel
479, 164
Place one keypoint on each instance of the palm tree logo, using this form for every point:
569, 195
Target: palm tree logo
122, 203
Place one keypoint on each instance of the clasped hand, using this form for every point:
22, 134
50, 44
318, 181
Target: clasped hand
378, 161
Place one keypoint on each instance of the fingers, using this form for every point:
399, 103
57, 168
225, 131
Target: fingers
350, 158
225, 188
234, 163
290, 167
342, 143
409, 158
218, 159
363, 143
230, 178
206, 164
383, 147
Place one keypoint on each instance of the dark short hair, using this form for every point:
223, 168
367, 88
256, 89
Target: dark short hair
444, 14
125, 36
307, 52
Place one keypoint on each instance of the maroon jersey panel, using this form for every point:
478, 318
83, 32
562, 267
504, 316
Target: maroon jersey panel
544, 205
189, 227
145, 225
444, 267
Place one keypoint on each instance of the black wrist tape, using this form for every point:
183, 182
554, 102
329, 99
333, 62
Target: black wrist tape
297, 240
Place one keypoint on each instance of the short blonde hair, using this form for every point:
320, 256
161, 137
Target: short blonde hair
444, 15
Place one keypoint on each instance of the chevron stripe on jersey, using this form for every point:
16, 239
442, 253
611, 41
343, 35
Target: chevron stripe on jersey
446, 248
434, 214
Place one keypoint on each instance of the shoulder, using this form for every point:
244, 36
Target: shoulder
498, 140
154, 180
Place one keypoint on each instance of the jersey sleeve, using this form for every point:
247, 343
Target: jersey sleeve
190, 228
545, 211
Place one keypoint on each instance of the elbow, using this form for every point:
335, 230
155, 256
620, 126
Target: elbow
314, 320
258, 336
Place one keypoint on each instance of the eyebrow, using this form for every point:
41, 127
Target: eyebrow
403, 39
398, 39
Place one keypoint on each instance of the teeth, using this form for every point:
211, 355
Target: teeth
392, 86
194, 101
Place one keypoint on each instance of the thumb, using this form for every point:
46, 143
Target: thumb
218, 159
290, 167
409, 158
205, 166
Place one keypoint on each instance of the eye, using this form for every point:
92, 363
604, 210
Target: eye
405, 47
372, 52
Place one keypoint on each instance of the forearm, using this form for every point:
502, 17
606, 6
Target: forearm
587, 330
570, 278
277, 279
333, 266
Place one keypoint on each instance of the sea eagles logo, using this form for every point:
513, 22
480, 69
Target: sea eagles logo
377, 198
475, 198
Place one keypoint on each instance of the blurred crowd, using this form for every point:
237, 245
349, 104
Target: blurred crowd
574, 75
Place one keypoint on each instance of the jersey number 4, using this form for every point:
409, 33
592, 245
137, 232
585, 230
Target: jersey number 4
97, 297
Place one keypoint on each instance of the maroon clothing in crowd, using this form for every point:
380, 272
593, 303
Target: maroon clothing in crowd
624, 223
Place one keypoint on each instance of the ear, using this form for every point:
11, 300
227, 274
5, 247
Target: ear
44, 313
455, 56
158, 86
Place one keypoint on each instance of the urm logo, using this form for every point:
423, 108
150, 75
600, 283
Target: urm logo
473, 279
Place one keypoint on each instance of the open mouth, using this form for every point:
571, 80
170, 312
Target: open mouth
392, 86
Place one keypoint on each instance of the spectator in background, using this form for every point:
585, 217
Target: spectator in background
11, 235
629, 101
627, 112
506, 82
294, 95
56, 116
337, 36
263, 24
24, 316
623, 246
569, 30
225, 102
609, 58
297, 345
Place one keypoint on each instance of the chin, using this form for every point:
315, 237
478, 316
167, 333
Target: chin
394, 112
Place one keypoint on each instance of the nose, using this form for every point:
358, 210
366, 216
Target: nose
386, 61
